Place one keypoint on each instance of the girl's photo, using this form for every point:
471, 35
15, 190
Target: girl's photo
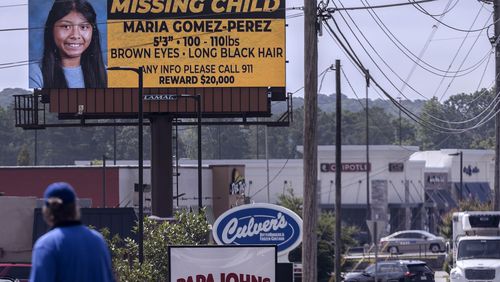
66, 48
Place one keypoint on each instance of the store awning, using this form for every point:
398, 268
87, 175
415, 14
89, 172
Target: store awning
479, 191
445, 194
440, 198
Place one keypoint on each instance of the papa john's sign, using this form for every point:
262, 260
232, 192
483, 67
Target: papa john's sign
259, 224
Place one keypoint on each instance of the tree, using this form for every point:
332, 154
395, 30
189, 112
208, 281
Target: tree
218, 142
291, 202
6, 138
65, 145
446, 228
381, 127
429, 136
23, 158
469, 113
283, 141
469, 110
408, 132
186, 229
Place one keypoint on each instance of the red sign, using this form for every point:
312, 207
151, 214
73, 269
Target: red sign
346, 167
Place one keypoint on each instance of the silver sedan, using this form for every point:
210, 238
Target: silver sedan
412, 241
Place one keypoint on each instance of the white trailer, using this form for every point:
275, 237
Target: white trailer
476, 247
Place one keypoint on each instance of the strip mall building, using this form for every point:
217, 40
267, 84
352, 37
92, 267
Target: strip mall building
408, 188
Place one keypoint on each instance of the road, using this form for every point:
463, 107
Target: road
441, 276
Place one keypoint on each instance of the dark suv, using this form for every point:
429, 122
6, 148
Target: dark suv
20, 271
394, 271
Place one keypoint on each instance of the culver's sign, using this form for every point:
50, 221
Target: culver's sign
259, 224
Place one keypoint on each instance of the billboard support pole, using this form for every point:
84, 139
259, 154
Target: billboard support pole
161, 166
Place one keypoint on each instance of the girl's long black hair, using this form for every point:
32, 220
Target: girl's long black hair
94, 71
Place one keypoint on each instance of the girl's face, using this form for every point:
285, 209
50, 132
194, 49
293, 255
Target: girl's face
72, 35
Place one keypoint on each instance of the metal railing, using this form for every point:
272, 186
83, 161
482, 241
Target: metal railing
29, 111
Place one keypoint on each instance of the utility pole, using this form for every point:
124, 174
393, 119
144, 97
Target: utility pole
496, 18
309, 242
338, 172
400, 125
267, 166
368, 208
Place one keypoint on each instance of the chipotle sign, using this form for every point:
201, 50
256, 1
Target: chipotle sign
346, 167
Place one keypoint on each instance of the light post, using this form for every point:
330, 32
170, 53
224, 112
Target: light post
103, 181
140, 115
197, 98
461, 173
198, 108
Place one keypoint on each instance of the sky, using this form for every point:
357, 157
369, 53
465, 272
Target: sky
456, 47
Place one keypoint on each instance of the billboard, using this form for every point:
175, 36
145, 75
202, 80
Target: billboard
182, 43
222, 263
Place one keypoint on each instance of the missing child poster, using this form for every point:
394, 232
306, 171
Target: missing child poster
197, 43
179, 43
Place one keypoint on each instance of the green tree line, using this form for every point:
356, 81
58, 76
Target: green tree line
63, 145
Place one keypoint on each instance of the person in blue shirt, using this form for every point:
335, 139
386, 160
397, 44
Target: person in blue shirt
72, 53
70, 251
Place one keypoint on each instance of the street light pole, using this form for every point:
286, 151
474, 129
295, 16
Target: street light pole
200, 203
140, 116
461, 154
103, 181
197, 98
461, 175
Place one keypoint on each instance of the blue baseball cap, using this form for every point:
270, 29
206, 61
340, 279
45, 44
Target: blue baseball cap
60, 190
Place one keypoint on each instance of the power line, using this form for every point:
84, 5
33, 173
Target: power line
446, 11
103, 52
363, 106
363, 70
200, 16
376, 6
424, 49
424, 123
445, 24
274, 178
13, 5
393, 38
379, 56
456, 55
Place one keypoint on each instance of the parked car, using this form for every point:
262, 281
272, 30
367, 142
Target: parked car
412, 241
17, 271
8, 279
394, 271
